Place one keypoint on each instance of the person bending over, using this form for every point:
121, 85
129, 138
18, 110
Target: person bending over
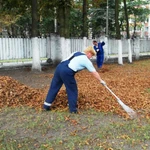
65, 74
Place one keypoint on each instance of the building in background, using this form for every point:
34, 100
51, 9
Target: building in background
142, 28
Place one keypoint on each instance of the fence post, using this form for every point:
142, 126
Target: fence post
106, 48
130, 52
65, 47
56, 49
36, 54
84, 43
137, 48
120, 52
53, 46
48, 47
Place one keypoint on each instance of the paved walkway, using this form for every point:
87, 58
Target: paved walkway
110, 59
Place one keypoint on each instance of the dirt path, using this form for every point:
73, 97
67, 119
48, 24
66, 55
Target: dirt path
28, 77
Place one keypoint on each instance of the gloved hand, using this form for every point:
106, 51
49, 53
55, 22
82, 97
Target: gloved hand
103, 82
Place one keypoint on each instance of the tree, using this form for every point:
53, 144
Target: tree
0, 9
118, 35
98, 13
12, 11
35, 47
85, 26
63, 17
76, 19
126, 18
34, 18
138, 13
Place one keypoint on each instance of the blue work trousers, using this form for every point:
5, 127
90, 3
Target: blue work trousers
100, 60
64, 75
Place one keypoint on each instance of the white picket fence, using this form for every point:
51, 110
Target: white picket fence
55, 47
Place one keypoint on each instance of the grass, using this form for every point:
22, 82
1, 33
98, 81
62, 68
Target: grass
19, 60
148, 90
26, 129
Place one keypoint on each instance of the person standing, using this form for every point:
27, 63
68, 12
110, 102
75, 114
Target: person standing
99, 53
65, 74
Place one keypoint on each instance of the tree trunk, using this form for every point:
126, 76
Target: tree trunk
126, 18
63, 16
67, 17
118, 36
134, 32
61, 19
35, 45
0, 22
34, 19
85, 3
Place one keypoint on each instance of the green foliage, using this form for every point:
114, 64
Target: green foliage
76, 23
99, 16
138, 8
18, 14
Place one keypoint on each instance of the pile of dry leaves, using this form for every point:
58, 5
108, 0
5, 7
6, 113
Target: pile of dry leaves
130, 82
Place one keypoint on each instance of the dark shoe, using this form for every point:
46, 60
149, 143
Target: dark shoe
74, 112
47, 108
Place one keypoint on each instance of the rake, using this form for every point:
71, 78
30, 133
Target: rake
129, 111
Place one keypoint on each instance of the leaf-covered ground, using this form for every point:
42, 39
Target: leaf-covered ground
130, 82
